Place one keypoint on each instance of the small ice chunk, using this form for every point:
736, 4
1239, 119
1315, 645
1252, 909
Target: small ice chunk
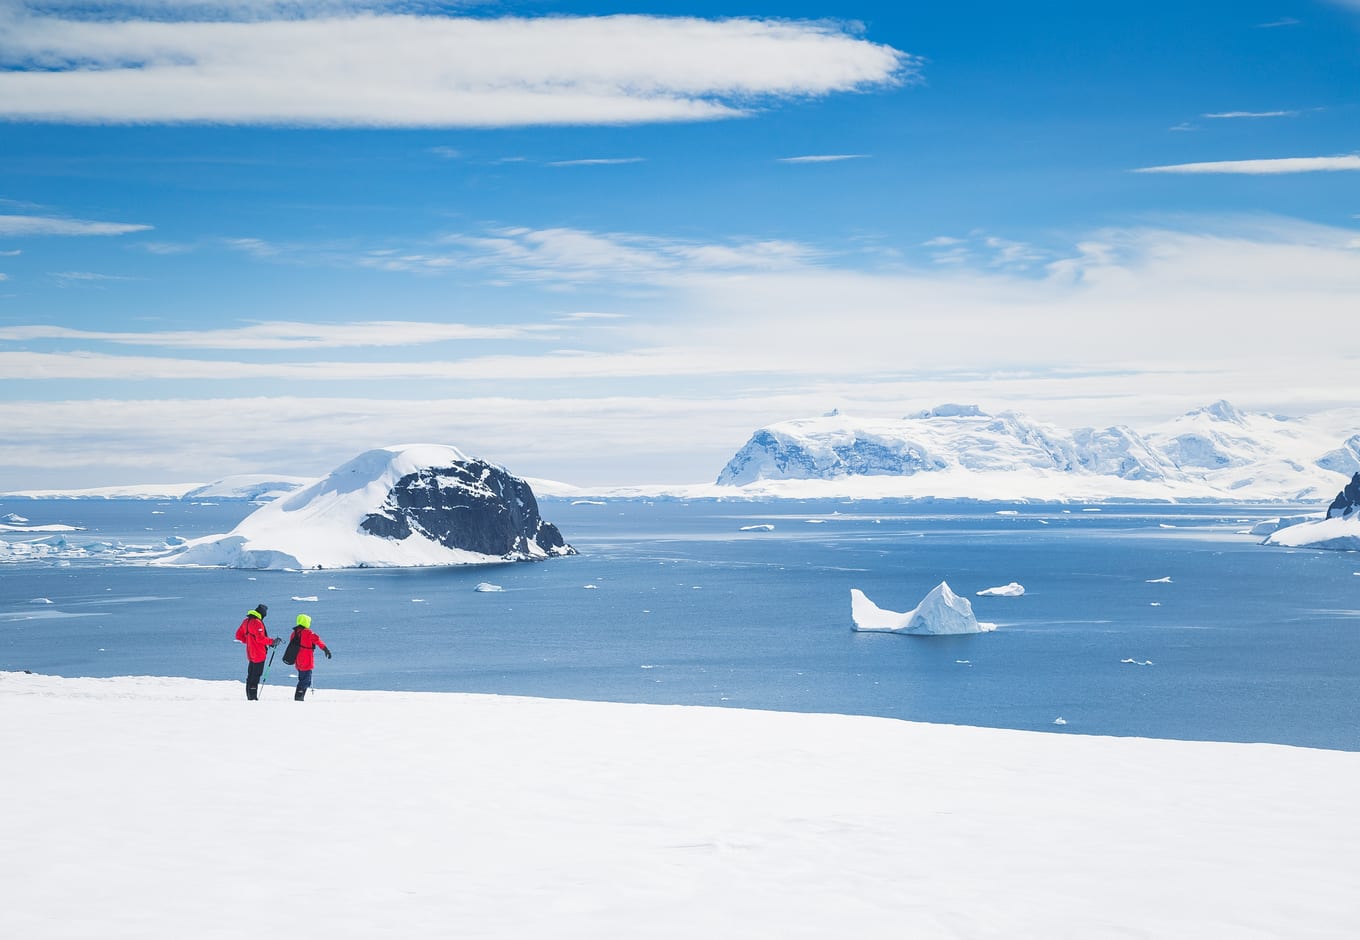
1166, 580
766, 527
15, 518
41, 600
1136, 662
1060, 720
590, 587
486, 587
1014, 589
309, 600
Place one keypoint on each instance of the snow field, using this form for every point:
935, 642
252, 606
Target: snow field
149, 808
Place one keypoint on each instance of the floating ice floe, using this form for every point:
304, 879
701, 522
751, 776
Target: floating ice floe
1137, 662
766, 527
1166, 580
588, 502
486, 587
41, 600
591, 587
309, 600
1008, 512
1060, 720
941, 612
13, 517
1014, 589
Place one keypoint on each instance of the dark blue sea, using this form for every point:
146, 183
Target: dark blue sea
1148, 620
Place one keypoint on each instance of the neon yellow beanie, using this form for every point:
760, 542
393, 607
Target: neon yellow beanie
304, 621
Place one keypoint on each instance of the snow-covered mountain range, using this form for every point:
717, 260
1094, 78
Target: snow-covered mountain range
405, 506
960, 450
245, 486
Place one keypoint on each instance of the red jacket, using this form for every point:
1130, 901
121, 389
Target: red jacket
307, 644
252, 633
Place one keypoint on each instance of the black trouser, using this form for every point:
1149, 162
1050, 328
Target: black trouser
253, 673
304, 683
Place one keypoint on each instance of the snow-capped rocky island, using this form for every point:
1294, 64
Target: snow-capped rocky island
406, 506
1339, 530
1215, 452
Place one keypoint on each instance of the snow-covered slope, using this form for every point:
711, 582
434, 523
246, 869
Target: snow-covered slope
167, 809
1339, 529
1213, 452
405, 506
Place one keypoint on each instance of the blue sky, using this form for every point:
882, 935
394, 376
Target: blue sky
604, 243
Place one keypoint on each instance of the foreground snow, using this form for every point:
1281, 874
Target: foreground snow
167, 808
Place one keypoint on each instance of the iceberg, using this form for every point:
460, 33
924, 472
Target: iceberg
940, 613
1014, 589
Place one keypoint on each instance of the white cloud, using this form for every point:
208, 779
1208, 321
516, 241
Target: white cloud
378, 69
1127, 325
577, 256
21, 225
1230, 115
1262, 167
1282, 21
823, 158
277, 335
597, 161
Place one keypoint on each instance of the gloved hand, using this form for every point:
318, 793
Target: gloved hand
327, 651
274, 641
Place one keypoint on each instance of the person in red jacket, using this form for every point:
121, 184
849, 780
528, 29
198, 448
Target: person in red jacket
252, 633
308, 644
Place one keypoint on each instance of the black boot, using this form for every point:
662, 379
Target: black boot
297, 696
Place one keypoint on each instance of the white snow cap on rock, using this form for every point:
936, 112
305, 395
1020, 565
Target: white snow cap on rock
941, 612
321, 526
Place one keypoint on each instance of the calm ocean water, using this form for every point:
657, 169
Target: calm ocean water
673, 603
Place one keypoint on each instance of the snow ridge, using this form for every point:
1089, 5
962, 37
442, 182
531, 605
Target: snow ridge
1215, 451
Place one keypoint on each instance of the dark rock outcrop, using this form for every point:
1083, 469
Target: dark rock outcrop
472, 506
1347, 502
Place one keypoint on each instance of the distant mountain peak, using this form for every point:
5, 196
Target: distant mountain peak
1223, 410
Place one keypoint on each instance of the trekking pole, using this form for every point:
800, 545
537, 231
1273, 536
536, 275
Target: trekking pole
265, 675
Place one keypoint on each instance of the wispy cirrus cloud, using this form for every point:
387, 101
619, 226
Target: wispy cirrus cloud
1262, 167
598, 161
300, 65
1276, 24
23, 225
284, 335
823, 158
1237, 115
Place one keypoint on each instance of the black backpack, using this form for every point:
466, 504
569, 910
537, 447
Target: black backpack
291, 650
